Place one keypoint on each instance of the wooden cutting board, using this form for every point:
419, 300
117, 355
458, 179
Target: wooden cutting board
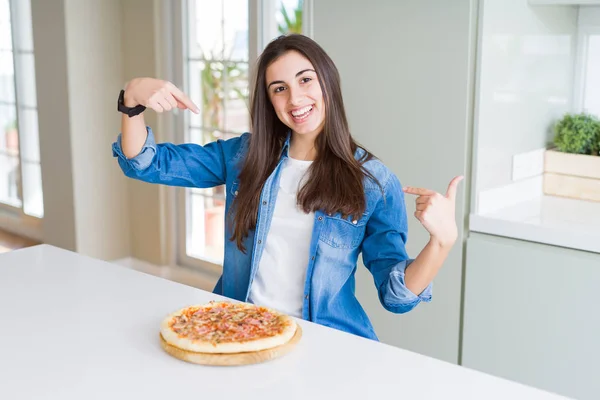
229, 359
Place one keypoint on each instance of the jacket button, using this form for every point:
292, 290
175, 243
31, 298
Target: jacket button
355, 222
306, 297
320, 218
264, 203
260, 241
236, 193
312, 258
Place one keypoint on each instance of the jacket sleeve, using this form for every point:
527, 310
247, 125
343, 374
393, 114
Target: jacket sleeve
384, 252
189, 165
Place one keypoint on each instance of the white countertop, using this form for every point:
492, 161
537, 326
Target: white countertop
550, 220
77, 328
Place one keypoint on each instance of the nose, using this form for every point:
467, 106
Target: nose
296, 97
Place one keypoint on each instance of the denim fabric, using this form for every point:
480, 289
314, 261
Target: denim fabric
329, 291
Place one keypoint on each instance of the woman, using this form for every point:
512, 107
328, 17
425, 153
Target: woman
304, 199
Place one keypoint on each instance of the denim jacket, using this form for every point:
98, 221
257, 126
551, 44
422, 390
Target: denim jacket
329, 291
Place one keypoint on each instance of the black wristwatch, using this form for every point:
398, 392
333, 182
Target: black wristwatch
130, 111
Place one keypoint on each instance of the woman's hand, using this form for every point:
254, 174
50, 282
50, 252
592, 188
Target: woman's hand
157, 94
436, 212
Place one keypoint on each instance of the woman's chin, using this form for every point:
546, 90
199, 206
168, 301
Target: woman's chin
306, 130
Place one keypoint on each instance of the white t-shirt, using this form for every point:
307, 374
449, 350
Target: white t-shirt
279, 281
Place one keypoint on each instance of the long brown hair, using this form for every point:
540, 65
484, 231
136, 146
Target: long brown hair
336, 176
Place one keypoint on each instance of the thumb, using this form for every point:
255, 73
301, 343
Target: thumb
451, 192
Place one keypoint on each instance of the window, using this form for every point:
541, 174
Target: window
20, 172
590, 96
217, 62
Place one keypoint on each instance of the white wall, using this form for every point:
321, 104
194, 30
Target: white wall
525, 82
588, 16
407, 71
85, 52
95, 78
139, 29
79, 75
59, 225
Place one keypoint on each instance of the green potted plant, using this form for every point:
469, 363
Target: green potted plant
577, 134
572, 166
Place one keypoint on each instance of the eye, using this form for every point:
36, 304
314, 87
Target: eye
305, 79
279, 89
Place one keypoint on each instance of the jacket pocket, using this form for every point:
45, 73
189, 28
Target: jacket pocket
343, 233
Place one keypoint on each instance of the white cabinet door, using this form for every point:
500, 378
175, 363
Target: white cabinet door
532, 314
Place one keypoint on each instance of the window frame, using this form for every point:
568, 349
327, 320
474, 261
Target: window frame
258, 12
13, 218
580, 78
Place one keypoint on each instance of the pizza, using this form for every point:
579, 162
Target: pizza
226, 327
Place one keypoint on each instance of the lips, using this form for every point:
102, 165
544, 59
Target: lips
301, 114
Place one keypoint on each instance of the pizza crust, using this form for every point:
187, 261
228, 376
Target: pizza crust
202, 346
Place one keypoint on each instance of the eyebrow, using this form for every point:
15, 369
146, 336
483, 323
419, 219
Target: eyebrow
297, 75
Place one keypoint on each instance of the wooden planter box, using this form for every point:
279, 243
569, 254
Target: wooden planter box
576, 176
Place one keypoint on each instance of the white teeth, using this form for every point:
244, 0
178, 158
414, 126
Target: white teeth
302, 111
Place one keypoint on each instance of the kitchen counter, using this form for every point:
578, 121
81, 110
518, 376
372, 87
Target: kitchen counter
73, 327
549, 220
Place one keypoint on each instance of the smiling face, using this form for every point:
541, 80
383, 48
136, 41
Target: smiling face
296, 94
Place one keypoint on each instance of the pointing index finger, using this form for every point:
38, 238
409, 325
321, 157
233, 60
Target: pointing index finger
179, 95
418, 191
